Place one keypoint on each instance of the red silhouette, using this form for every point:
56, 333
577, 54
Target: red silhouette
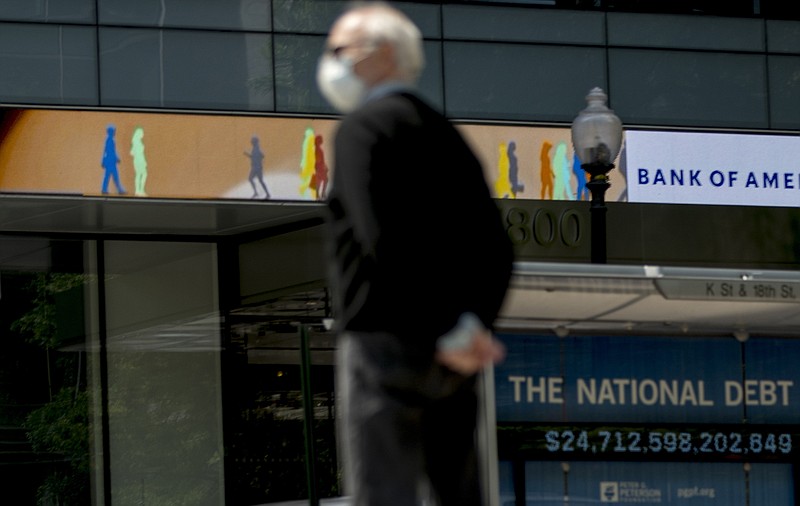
319, 181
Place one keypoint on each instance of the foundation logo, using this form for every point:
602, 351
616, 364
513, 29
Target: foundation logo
609, 491
629, 492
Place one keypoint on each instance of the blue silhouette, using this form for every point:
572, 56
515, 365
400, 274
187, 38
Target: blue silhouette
513, 169
257, 167
580, 176
110, 161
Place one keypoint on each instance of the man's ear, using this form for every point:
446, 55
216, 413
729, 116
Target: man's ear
388, 54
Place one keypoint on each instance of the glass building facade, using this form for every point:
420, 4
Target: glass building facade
189, 364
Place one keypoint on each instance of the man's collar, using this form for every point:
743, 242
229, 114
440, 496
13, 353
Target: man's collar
387, 88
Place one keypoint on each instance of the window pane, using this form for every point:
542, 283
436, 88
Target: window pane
190, 69
264, 388
61, 11
696, 32
780, 9
690, 89
49, 386
784, 85
430, 83
714, 7
783, 36
505, 81
265, 448
48, 64
306, 16
224, 14
295, 74
532, 25
265, 444
296, 59
317, 16
130, 67
164, 387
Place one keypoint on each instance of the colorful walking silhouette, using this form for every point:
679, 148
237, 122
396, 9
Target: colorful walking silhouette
319, 181
513, 170
502, 185
307, 164
622, 171
110, 161
580, 176
546, 171
256, 167
561, 169
139, 162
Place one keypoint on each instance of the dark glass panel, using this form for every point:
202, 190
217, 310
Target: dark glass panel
519, 82
47, 389
688, 88
252, 15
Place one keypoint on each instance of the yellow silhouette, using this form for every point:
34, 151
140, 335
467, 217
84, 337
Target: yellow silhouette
502, 185
307, 165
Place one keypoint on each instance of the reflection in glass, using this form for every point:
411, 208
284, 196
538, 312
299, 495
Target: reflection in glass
253, 15
266, 448
165, 424
186, 68
48, 64
45, 373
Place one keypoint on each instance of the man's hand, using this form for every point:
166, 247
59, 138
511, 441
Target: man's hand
483, 350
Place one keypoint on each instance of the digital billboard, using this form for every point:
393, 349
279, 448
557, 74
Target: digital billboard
712, 168
649, 398
648, 379
214, 156
172, 155
665, 483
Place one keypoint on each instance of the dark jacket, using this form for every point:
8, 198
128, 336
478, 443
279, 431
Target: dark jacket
416, 238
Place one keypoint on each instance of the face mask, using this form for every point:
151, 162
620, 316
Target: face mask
338, 84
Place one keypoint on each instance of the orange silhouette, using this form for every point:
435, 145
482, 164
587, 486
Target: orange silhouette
546, 171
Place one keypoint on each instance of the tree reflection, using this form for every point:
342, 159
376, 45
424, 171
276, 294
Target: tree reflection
58, 430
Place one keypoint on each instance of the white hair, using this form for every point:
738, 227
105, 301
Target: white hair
382, 23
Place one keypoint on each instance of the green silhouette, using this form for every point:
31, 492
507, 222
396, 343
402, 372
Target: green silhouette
139, 161
562, 171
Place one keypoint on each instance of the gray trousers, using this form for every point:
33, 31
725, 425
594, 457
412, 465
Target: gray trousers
407, 425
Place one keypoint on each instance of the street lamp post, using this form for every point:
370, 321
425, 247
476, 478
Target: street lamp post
597, 137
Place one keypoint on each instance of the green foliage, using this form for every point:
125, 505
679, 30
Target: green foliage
39, 324
60, 428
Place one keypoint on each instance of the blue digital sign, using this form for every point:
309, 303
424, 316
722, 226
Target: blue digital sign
771, 485
768, 391
657, 483
663, 483
647, 380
